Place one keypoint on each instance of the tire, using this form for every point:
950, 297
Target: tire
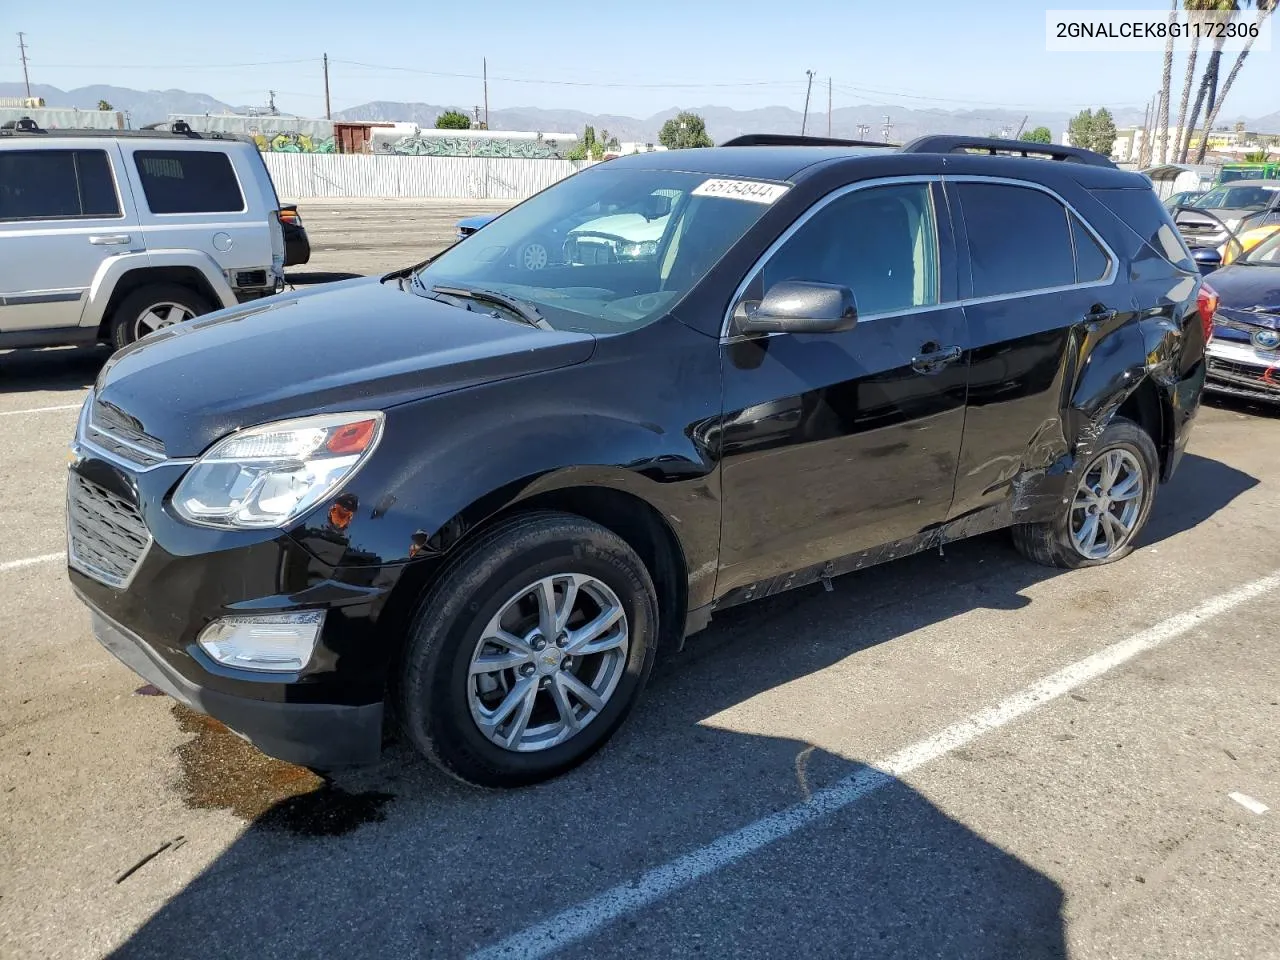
1053, 543
534, 255
441, 704
177, 302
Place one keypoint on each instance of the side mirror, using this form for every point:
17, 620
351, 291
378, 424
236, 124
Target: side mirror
799, 306
655, 206
1207, 259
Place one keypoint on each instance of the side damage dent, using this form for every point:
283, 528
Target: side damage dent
1108, 379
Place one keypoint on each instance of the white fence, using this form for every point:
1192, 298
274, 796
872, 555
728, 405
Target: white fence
300, 176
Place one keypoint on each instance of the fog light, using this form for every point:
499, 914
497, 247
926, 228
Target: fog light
280, 643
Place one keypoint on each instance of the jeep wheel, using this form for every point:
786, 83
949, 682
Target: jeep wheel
153, 308
529, 652
1108, 508
533, 256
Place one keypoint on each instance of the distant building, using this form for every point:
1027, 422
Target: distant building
281, 134
634, 146
63, 118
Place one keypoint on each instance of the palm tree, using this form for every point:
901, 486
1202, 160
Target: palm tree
1198, 11
1265, 9
1166, 77
1208, 92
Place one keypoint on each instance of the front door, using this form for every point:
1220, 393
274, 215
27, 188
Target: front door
836, 444
60, 216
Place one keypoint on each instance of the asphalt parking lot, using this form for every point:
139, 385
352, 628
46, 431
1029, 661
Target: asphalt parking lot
957, 755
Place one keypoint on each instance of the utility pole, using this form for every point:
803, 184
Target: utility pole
863, 130
328, 113
485, 63
1146, 136
271, 103
22, 47
808, 90
888, 126
1020, 126
828, 106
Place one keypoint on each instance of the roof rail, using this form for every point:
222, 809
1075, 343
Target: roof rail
791, 140
21, 125
9, 130
950, 143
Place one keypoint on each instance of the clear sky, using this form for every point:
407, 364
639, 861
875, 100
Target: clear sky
633, 57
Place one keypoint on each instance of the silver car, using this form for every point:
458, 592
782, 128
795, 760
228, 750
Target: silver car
108, 235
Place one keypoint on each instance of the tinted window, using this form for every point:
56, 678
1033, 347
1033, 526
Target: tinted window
1018, 239
882, 243
1145, 215
97, 188
189, 181
56, 185
1092, 261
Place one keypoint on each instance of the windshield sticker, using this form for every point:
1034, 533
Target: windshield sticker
752, 190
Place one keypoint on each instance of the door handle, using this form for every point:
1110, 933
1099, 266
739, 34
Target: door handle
1097, 317
937, 358
108, 239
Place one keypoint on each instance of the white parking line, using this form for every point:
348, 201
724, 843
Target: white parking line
586, 918
30, 561
19, 413
1250, 804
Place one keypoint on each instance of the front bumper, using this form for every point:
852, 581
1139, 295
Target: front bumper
311, 734
153, 583
1240, 370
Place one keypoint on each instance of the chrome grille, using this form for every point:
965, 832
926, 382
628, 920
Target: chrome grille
120, 434
106, 535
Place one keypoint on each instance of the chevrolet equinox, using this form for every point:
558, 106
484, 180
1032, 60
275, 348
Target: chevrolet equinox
473, 499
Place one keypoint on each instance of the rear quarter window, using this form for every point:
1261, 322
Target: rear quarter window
189, 181
1143, 213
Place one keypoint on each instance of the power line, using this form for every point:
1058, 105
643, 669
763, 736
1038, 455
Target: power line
175, 66
567, 83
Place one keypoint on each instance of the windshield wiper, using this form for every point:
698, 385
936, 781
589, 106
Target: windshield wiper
525, 311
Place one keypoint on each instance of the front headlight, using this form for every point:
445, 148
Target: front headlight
266, 476
639, 251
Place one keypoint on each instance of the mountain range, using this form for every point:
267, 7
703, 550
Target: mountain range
722, 122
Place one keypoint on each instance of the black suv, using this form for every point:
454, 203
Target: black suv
480, 497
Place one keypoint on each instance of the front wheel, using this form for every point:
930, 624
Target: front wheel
529, 652
1108, 508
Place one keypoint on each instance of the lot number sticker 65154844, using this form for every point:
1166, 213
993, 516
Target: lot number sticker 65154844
752, 190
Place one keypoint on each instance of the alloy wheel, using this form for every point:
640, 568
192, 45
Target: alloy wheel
160, 315
1107, 505
547, 662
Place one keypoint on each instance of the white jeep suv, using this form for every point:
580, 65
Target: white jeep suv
108, 235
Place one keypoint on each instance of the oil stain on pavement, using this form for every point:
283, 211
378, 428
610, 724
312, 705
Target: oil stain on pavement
222, 771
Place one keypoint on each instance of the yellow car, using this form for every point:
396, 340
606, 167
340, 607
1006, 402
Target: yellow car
1248, 240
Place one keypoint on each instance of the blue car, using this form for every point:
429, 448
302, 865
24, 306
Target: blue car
1244, 353
469, 225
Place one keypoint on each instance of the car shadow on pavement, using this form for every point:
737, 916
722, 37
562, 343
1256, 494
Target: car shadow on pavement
62, 368
397, 859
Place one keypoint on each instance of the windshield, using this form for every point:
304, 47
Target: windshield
1237, 198
607, 250
1268, 251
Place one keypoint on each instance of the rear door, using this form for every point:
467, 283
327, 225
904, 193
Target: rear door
62, 212
204, 195
838, 444
1039, 280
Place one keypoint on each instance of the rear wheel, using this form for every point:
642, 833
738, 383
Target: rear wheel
154, 307
1108, 508
529, 652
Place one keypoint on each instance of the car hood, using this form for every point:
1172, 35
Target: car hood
357, 344
1246, 291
